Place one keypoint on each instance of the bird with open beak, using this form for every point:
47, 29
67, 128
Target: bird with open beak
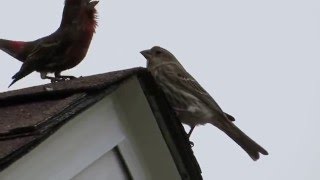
63, 49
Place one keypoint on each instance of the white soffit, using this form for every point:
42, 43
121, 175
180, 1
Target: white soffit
144, 149
123, 118
109, 166
72, 148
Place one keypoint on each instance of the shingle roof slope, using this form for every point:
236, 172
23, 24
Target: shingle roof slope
28, 116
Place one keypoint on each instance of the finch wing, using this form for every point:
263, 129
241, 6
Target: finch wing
43, 50
37, 58
187, 82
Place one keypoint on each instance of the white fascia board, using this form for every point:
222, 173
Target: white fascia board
123, 118
144, 150
72, 148
109, 166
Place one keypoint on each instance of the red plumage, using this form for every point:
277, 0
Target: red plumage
63, 49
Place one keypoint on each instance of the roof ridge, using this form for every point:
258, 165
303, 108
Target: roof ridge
54, 90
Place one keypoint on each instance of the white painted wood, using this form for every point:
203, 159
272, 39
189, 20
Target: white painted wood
144, 148
107, 167
72, 148
123, 118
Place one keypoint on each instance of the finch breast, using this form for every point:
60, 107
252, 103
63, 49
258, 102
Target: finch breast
189, 109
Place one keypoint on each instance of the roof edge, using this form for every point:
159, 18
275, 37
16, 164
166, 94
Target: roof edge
171, 128
44, 131
56, 90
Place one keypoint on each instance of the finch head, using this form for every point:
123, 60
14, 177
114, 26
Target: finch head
82, 12
191, 102
81, 2
157, 56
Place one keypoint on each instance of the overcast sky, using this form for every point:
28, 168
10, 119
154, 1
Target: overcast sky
258, 59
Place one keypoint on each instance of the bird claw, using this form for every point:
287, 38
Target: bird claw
62, 78
56, 80
191, 143
65, 78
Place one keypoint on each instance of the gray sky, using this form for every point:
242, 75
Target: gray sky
258, 59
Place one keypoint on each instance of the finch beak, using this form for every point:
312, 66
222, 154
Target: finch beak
146, 54
93, 3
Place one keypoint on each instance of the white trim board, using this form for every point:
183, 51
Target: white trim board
72, 148
109, 166
144, 149
122, 118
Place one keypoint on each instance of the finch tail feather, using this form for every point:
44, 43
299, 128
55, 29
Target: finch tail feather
247, 144
3, 44
231, 118
14, 81
19, 75
13, 48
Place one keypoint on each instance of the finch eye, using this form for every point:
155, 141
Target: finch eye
158, 52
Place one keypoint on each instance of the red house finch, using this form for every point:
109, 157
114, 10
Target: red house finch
63, 49
192, 104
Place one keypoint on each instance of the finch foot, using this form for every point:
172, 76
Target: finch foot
189, 134
64, 78
191, 143
54, 80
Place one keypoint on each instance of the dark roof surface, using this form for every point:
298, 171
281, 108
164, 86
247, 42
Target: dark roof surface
82, 84
28, 116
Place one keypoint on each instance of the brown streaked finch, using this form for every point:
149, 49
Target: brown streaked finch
63, 49
192, 104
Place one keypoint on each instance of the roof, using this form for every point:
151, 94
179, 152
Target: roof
28, 116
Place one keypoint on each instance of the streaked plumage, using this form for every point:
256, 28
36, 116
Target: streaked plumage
193, 105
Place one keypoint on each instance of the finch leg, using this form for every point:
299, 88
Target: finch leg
58, 75
192, 128
189, 134
178, 110
53, 79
